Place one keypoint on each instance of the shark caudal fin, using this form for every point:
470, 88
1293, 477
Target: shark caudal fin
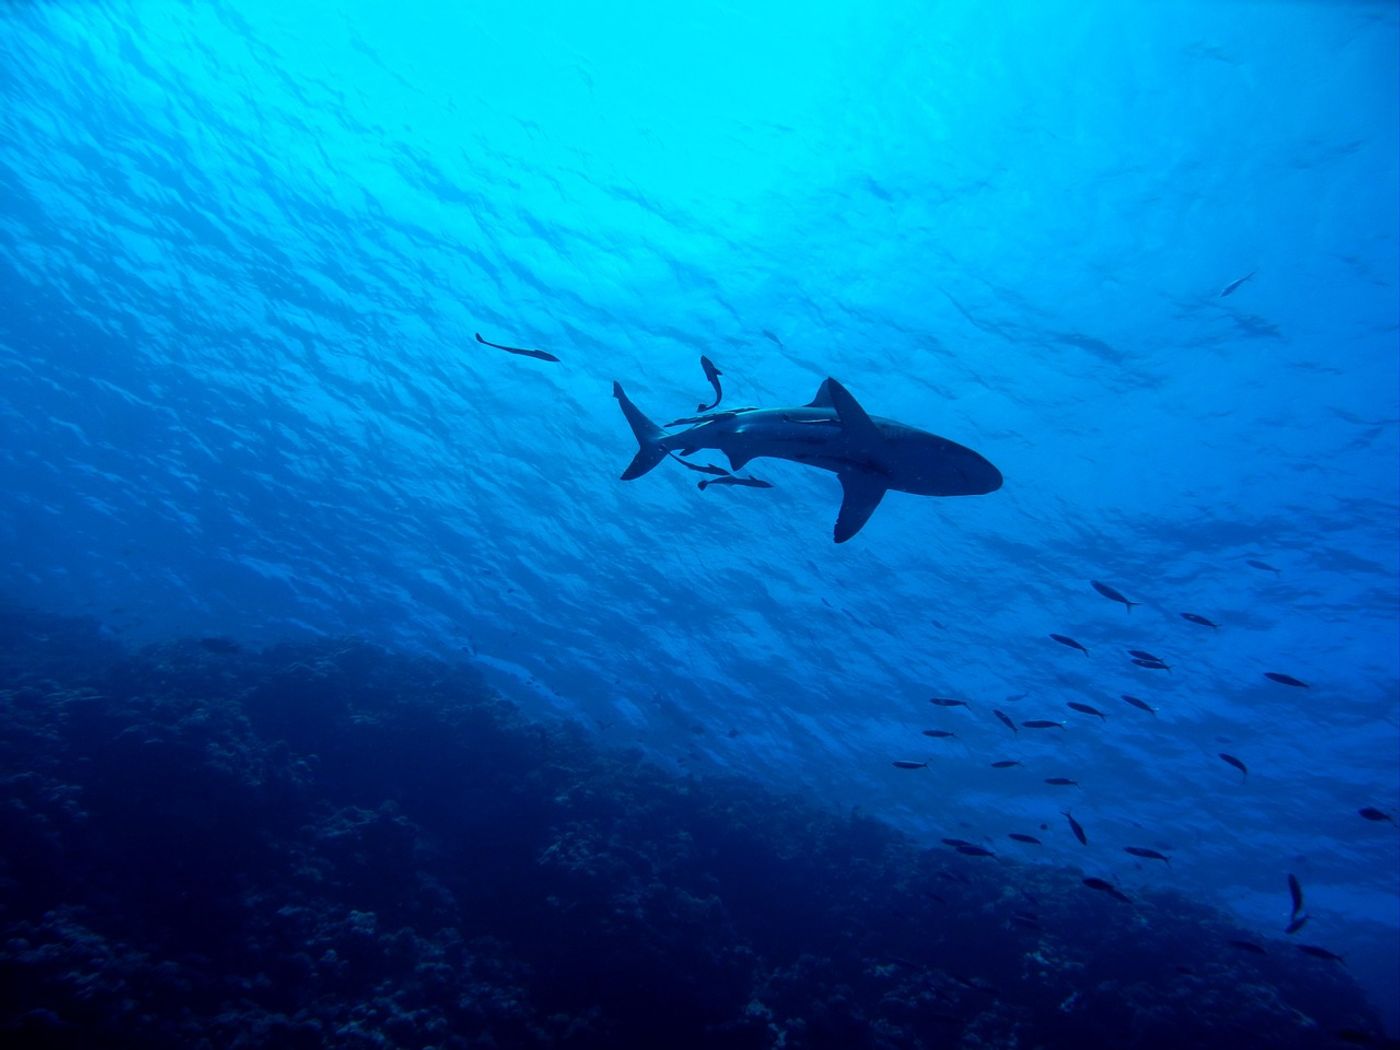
648, 434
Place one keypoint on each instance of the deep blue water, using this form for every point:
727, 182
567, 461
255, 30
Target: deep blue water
244, 249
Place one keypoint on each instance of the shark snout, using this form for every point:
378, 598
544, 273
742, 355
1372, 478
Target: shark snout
981, 476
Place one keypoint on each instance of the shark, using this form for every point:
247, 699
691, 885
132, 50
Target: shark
868, 454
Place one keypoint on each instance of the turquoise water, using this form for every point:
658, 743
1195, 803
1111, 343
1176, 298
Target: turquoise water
244, 250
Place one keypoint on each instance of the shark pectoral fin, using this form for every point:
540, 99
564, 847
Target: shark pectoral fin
859, 426
861, 494
738, 460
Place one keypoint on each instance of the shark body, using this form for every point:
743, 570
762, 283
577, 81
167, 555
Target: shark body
868, 454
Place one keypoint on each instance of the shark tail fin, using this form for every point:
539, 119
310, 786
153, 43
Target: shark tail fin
648, 435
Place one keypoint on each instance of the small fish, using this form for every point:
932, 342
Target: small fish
1141, 705
939, 734
1146, 854
1248, 946
1320, 953
1186, 970
1263, 566
1017, 696
935, 897
947, 701
971, 850
1143, 654
1031, 839
732, 479
1075, 827
1065, 639
1006, 720
1152, 665
1229, 289
1062, 781
1112, 595
955, 843
222, 646
1232, 760
1107, 887
1285, 679
1197, 618
1043, 723
712, 374
898, 764
539, 355
1356, 1037
1295, 890
1085, 709
1297, 924
1007, 763
701, 468
1028, 921
1372, 813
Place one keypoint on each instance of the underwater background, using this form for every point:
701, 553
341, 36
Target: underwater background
350, 698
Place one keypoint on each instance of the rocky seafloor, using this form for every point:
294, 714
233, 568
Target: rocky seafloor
333, 845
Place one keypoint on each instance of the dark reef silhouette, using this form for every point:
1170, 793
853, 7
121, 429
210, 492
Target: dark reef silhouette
334, 845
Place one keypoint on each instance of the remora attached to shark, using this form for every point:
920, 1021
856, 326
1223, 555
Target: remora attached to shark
868, 454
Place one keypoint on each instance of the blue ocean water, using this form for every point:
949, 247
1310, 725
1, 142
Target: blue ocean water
244, 249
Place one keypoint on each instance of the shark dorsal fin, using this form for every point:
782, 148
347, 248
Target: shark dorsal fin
854, 421
860, 495
823, 398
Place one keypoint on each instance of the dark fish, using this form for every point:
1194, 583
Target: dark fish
1107, 887
1139, 704
1262, 565
701, 468
1197, 618
1065, 639
1296, 925
955, 843
1043, 723
1062, 781
1078, 831
1295, 890
1146, 854
1143, 654
1230, 288
1028, 921
1112, 595
934, 896
1017, 696
909, 765
1024, 838
222, 646
712, 374
1248, 946
1006, 721
974, 851
1356, 1037
1186, 970
1232, 760
1152, 665
1372, 813
1005, 763
731, 479
1085, 709
1320, 953
1285, 679
947, 701
939, 734
539, 355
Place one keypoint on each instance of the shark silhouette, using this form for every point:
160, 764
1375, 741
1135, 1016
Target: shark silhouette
869, 455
